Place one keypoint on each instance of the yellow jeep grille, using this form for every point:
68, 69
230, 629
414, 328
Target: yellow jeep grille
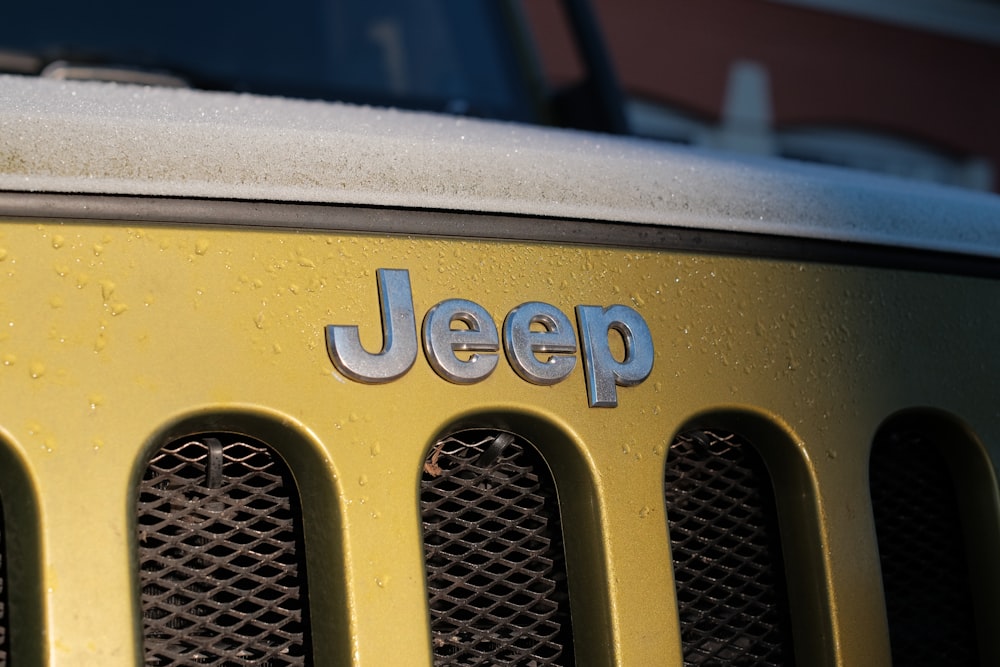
118, 336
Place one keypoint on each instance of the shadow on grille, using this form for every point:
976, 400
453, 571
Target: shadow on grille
728, 566
927, 590
221, 563
494, 553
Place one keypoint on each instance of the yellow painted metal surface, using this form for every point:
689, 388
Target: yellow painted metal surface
114, 338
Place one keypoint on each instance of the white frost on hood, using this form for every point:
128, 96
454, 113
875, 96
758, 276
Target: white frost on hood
75, 137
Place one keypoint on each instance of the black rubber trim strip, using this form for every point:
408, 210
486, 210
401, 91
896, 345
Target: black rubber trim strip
473, 225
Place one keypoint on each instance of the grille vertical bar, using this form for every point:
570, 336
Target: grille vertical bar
221, 563
493, 548
728, 565
928, 594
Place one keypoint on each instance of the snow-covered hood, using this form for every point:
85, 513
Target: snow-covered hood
75, 137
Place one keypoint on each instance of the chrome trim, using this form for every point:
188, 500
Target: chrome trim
605, 373
399, 335
441, 342
524, 345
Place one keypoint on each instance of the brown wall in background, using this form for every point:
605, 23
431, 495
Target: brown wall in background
824, 68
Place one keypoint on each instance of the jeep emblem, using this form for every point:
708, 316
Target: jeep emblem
538, 341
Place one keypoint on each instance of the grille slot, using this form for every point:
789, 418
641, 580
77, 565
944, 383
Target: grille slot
220, 556
4, 647
917, 520
493, 548
728, 566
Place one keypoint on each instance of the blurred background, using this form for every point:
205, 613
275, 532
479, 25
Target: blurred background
907, 87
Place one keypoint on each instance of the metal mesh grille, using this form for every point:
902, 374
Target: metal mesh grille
927, 592
4, 649
493, 548
727, 555
220, 559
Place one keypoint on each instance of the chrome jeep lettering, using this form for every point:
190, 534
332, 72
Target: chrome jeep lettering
522, 345
441, 341
399, 333
538, 341
605, 373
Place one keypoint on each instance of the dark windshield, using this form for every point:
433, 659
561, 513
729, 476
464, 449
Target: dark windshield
448, 55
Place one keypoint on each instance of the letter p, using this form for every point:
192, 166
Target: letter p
603, 371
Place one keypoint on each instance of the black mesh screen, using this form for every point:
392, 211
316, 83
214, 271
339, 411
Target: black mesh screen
927, 591
728, 566
493, 548
220, 557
